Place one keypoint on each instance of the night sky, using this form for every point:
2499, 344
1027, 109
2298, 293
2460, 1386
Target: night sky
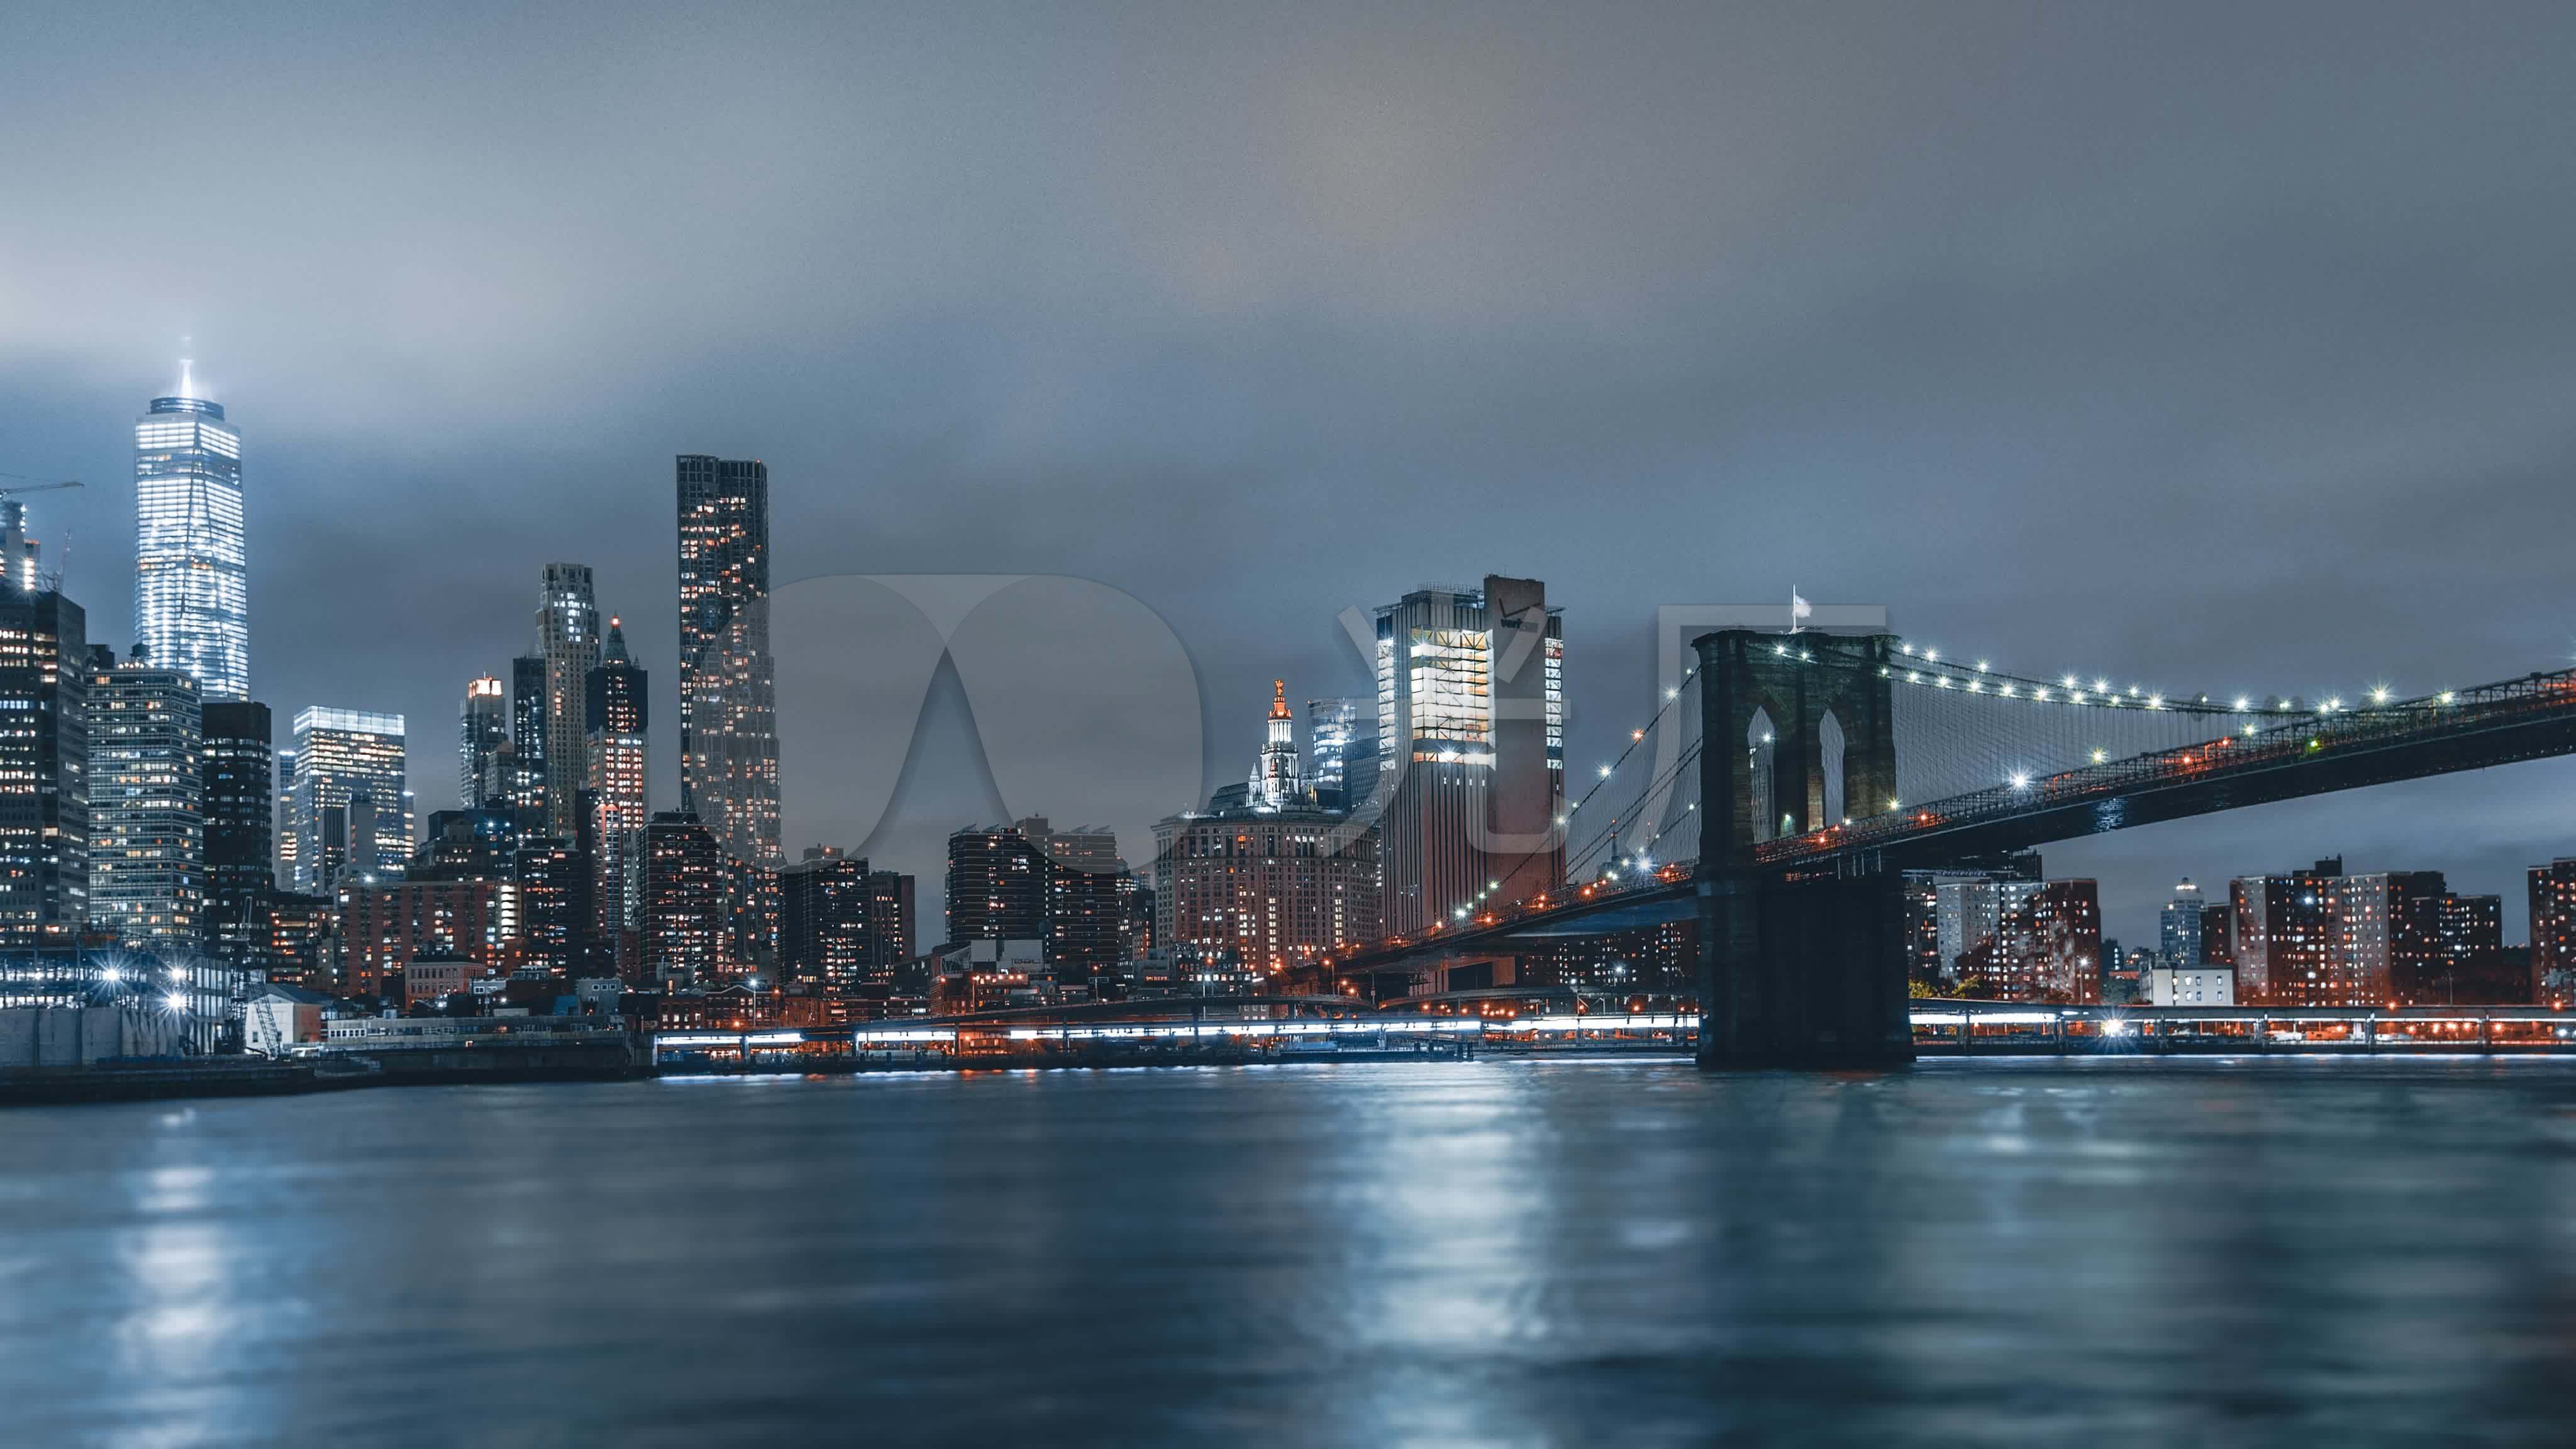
2226, 346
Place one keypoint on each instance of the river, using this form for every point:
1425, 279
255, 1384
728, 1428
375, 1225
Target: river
1485, 1252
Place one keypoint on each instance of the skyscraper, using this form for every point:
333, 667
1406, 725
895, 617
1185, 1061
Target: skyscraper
528, 741
237, 772
728, 689
996, 886
568, 640
147, 842
2323, 938
2553, 931
483, 745
1342, 735
1471, 749
825, 921
1279, 777
44, 782
347, 808
1278, 884
890, 933
191, 580
1084, 913
2178, 938
555, 908
614, 701
683, 900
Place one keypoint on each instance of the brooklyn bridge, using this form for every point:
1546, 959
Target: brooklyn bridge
1788, 781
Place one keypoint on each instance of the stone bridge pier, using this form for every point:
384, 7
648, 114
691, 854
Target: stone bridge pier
1797, 732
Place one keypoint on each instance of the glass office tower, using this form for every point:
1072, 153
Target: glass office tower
191, 580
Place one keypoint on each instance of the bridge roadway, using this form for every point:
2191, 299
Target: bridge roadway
2530, 718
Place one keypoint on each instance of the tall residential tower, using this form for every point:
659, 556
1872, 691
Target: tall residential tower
568, 640
728, 690
614, 697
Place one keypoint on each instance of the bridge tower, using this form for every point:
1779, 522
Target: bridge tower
1816, 709
1797, 732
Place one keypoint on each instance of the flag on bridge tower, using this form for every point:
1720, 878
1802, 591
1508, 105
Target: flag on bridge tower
1798, 609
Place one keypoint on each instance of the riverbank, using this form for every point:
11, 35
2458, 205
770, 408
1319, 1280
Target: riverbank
152, 1080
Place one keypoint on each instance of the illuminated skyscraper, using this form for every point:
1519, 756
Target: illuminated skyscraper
44, 783
1471, 749
483, 762
191, 581
614, 699
347, 810
825, 922
568, 639
1277, 883
2178, 936
728, 690
528, 740
1343, 737
1278, 779
147, 841
683, 900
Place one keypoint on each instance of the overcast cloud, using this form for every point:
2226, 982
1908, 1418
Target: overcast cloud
2228, 346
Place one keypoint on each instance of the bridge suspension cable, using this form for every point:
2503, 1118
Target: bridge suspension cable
1961, 727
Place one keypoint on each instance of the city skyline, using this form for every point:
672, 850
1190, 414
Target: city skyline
570, 612
1176, 722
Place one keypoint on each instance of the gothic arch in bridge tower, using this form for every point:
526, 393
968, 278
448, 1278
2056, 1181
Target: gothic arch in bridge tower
1759, 744
1827, 704
1829, 749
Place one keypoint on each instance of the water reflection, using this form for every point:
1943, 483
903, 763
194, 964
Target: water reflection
1481, 1252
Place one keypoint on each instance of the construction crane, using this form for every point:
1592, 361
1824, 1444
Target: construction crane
9, 492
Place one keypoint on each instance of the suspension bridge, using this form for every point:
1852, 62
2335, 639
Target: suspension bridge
1844, 760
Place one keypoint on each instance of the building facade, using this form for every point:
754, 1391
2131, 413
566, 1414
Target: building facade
2179, 926
684, 901
1279, 889
384, 928
147, 841
2319, 937
826, 922
2047, 944
528, 741
1471, 718
556, 911
348, 807
568, 641
238, 785
890, 921
996, 885
614, 700
44, 772
483, 745
191, 572
1341, 735
2553, 931
728, 685
1266, 875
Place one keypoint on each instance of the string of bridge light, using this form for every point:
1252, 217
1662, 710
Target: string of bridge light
1642, 860
1636, 739
1924, 667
